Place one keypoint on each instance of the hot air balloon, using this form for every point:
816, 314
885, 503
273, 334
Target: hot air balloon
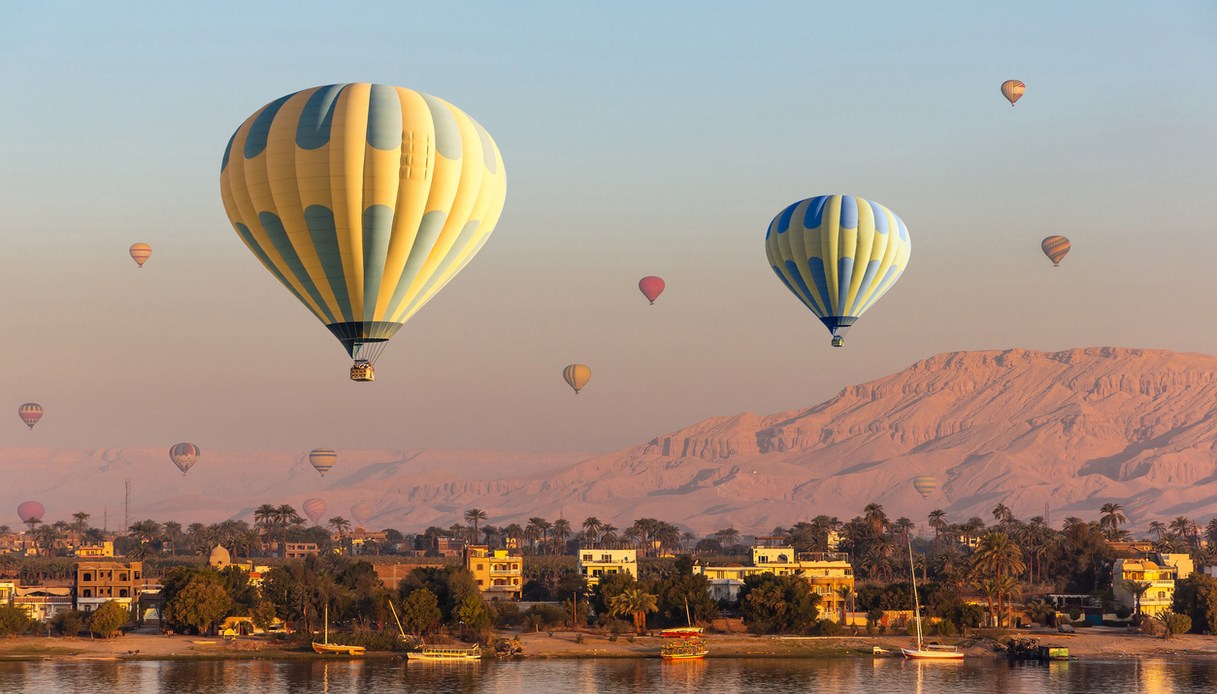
364, 200
361, 511
315, 509
30, 512
651, 287
838, 254
577, 376
1056, 247
30, 413
322, 459
184, 456
1013, 90
925, 485
140, 252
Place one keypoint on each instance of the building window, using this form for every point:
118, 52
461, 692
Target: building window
86, 593
86, 577
122, 592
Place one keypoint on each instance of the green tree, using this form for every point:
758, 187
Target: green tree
1138, 589
675, 592
1196, 597
636, 603
997, 556
609, 587
13, 620
69, 623
420, 613
263, 614
778, 604
473, 618
199, 604
1111, 520
473, 516
108, 619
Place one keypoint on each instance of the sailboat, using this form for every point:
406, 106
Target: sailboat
325, 647
682, 632
926, 651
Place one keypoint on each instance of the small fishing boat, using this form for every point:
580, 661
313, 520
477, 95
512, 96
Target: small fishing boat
926, 651
327, 648
691, 648
681, 632
446, 654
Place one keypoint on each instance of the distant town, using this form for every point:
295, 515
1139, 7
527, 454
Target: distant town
474, 581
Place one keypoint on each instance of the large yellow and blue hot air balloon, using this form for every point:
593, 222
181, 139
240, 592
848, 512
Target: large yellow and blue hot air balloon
838, 254
364, 200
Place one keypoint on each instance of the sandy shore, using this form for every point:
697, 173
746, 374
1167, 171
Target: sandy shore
1089, 643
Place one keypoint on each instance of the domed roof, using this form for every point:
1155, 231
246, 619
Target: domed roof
220, 557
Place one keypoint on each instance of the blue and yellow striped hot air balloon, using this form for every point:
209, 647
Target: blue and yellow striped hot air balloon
322, 459
364, 200
838, 254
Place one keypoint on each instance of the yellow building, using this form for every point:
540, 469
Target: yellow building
499, 573
595, 563
1160, 594
826, 572
100, 550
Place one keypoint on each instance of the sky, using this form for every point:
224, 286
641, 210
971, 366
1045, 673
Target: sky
639, 138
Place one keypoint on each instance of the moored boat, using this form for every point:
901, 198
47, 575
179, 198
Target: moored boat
926, 651
691, 648
681, 632
327, 648
446, 654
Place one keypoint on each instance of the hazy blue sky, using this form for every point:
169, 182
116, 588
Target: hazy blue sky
639, 138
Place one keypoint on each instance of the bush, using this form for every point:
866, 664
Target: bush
1123, 612
943, 628
69, 623
827, 627
1177, 623
13, 621
538, 617
108, 619
1075, 613
505, 614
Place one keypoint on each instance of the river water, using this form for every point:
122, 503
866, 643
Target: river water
754, 676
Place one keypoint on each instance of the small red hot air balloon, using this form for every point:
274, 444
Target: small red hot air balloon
651, 287
361, 511
30, 511
30, 413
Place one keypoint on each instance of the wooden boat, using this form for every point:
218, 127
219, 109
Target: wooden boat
924, 651
691, 648
684, 632
446, 654
327, 648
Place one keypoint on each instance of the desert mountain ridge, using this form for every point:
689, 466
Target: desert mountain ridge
1054, 434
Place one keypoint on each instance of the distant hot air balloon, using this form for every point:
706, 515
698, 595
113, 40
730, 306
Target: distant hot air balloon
30, 511
184, 456
1013, 90
140, 252
30, 413
1055, 247
361, 511
651, 287
364, 200
315, 509
577, 376
925, 485
838, 254
322, 459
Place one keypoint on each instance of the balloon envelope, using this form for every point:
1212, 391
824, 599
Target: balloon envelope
1013, 90
184, 456
363, 200
140, 252
651, 287
577, 376
838, 254
322, 459
1056, 247
30, 511
925, 485
30, 413
315, 509
361, 511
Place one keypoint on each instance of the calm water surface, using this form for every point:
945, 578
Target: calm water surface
769, 676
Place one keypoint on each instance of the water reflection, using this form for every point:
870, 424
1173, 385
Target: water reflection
651, 676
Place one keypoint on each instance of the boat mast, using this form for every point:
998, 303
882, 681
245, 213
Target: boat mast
327, 623
916, 601
688, 617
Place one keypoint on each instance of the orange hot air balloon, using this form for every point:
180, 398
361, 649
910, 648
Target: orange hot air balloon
1055, 247
322, 459
925, 485
1013, 90
651, 287
140, 253
315, 509
30, 413
577, 376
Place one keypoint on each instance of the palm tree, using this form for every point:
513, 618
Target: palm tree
1113, 517
1138, 589
938, 521
80, 522
727, 536
845, 593
265, 517
875, 518
286, 516
1157, 528
472, 516
608, 535
1002, 514
591, 529
634, 602
340, 526
561, 531
999, 556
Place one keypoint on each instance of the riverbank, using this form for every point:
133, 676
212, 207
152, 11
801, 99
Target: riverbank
1089, 643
